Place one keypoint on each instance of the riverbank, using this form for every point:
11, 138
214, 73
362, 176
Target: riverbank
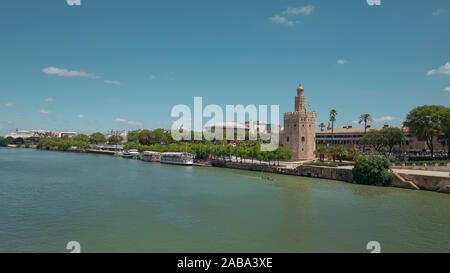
110, 204
402, 179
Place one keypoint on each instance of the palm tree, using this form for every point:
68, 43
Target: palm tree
333, 114
322, 126
321, 151
340, 153
354, 153
365, 118
332, 150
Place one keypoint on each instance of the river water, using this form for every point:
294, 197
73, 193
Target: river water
110, 204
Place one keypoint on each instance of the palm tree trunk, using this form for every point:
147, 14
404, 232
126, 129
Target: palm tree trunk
332, 132
365, 130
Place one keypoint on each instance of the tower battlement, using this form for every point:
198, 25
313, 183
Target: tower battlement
300, 114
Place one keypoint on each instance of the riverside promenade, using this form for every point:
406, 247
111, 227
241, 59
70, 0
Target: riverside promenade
413, 172
438, 181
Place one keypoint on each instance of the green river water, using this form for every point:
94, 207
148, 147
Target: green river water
110, 204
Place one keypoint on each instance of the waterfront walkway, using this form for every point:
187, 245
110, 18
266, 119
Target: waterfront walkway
293, 165
408, 171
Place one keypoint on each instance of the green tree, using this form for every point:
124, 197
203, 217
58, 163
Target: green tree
333, 114
82, 137
19, 141
32, 139
332, 151
133, 136
97, 138
340, 153
423, 123
80, 143
321, 152
242, 152
10, 140
145, 137
160, 135
131, 146
282, 153
353, 154
375, 139
374, 170
393, 136
256, 153
114, 139
254, 150
3, 142
366, 118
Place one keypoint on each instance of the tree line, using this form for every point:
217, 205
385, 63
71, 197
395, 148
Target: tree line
426, 123
217, 151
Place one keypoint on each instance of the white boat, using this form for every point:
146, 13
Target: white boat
150, 156
133, 153
177, 158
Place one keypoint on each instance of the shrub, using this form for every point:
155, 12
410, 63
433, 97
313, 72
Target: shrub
374, 170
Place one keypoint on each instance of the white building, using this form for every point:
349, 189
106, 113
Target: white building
67, 134
249, 126
223, 126
29, 133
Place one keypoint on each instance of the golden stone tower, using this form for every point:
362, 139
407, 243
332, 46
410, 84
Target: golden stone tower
299, 133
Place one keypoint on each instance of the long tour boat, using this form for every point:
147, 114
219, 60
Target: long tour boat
177, 158
150, 156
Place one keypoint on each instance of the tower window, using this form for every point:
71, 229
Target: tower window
303, 138
287, 139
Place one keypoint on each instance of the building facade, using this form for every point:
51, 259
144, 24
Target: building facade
299, 133
349, 138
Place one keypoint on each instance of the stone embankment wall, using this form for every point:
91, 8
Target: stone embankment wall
422, 182
310, 171
407, 181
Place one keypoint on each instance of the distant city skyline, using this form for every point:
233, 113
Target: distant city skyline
123, 65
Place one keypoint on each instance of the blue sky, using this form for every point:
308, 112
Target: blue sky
124, 64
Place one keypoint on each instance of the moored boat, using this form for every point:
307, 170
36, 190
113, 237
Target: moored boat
133, 153
177, 158
150, 156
